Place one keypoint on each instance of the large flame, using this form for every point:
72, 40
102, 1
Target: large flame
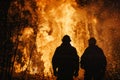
56, 18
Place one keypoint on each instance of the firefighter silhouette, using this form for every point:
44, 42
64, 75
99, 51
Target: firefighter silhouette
65, 60
93, 61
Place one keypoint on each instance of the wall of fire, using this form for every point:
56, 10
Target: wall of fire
39, 26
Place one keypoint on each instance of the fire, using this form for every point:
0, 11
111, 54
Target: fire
56, 22
39, 26
55, 19
23, 51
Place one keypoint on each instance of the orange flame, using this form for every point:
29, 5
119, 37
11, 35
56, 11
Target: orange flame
56, 22
55, 19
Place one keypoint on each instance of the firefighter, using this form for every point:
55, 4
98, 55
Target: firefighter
93, 61
65, 60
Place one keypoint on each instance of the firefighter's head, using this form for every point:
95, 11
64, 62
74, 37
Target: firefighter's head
92, 41
66, 39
